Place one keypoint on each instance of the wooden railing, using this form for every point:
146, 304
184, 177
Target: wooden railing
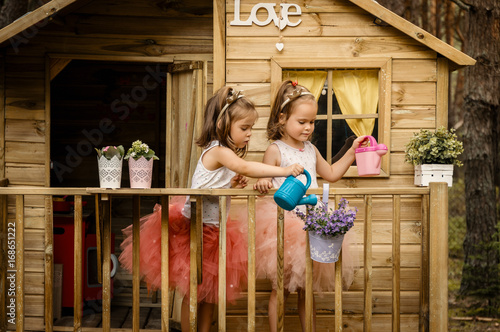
434, 254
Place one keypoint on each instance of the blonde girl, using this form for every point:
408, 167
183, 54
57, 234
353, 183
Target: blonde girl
290, 126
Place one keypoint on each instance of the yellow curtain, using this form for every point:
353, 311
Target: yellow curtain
312, 80
357, 93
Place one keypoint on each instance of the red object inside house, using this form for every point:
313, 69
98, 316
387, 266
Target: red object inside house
64, 234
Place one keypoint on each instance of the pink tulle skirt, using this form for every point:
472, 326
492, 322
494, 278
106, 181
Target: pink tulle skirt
294, 252
179, 248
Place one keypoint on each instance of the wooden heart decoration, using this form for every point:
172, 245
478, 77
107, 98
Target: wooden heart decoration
280, 46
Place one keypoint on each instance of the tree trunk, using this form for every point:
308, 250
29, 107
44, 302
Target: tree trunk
12, 10
480, 275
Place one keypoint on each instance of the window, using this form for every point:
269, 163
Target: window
335, 123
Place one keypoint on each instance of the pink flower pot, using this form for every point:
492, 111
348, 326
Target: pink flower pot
141, 172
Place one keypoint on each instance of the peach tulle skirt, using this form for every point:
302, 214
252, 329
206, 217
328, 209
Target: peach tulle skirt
179, 262
294, 252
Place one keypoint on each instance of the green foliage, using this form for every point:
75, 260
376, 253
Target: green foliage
139, 150
111, 151
439, 147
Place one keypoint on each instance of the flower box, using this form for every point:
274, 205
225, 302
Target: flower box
433, 173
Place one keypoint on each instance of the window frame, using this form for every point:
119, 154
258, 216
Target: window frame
384, 65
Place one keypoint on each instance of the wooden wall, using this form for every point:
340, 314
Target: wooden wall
112, 30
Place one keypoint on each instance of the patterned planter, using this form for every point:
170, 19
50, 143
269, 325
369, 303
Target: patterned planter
110, 172
433, 173
141, 172
325, 249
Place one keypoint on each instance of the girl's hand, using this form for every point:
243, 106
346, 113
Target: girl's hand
239, 181
294, 170
263, 185
361, 141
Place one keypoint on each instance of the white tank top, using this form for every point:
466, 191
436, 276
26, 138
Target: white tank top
305, 157
205, 179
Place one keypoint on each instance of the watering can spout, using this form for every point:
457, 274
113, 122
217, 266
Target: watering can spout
309, 200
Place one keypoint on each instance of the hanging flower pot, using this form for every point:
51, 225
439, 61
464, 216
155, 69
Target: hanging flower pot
140, 162
110, 161
141, 172
325, 249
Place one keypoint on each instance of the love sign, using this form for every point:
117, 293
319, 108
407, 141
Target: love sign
271, 15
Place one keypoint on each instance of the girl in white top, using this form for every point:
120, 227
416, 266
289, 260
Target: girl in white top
227, 127
290, 126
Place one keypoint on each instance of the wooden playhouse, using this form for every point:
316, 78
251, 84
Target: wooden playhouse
79, 74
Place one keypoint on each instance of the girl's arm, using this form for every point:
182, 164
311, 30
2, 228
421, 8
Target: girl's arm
333, 173
271, 157
221, 156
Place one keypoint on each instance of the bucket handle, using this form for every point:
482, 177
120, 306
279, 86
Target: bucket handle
373, 141
308, 176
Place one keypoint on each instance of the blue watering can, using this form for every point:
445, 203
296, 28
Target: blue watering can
292, 191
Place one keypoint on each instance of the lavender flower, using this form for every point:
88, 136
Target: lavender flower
328, 222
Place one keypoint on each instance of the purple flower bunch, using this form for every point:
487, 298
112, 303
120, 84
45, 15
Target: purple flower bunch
323, 221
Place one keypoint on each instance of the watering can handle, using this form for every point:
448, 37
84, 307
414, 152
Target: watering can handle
308, 176
373, 141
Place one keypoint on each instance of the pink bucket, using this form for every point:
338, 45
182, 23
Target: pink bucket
368, 158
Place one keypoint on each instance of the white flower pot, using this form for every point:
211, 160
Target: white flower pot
110, 172
325, 249
141, 172
433, 173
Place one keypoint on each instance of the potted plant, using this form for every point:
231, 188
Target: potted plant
140, 161
326, 228
433, 154
110, 161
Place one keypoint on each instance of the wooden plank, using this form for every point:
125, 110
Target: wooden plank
382, 234
342, 47
49, 264
396, 262
6, 240
309, 301
2, 133
35, 283
251, 71
20, 261
280, 290
222, 262
25, 130
414, 70
367, 316
338, 284
438, 261
25, 174
414, 93
385, 79
193, 277
401, 137
415, 32
413, 116
78, 263
57, 65
399, 166
165, 294
219, 44
136, 216
106, 264
442, 91
25, 152
424, 280
251, 264
33, 306
315, 6
312, 24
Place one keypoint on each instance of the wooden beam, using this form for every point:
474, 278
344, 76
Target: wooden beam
49, 264
57, 65
219, 44
442, 86
78, 264
251, 263
136, 278
19, 263
367, 315
165, 296
396, 262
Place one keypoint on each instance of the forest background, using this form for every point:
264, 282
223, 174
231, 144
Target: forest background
473, 27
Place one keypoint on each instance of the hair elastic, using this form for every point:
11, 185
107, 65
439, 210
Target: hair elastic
235, 95
298, 92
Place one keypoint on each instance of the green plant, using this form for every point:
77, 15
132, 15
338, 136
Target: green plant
439, 147
139, 150
110, 151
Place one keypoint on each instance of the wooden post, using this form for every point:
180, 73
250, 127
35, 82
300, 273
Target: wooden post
438, 265
309, 286
396, 261
165, 297
222, 262
136, 278
19, 263
77, 265
251, 264
424, 283
193, 278
338, 284
367, 315
280, 311
49, 264
98, 236
3, 262
219, 70
106, 264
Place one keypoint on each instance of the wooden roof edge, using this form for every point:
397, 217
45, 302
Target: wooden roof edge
24, 22
459, 58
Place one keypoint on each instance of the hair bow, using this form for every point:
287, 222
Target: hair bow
234, 96
297, 92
